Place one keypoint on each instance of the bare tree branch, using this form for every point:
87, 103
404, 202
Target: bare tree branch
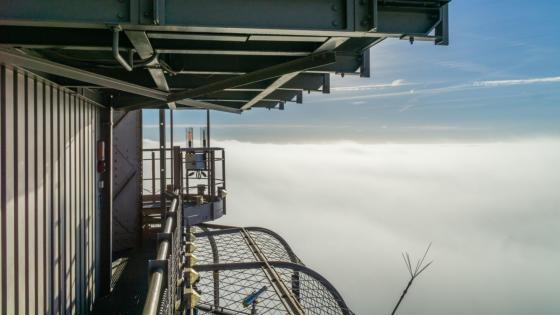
420, 267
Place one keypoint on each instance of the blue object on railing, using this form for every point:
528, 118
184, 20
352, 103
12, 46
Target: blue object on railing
252, 298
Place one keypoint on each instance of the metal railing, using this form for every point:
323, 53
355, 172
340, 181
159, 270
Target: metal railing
198, 177
209, 173
165, 262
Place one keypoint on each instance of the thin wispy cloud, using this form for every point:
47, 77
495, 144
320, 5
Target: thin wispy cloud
399, 93
496, 83
395, 83
466, 66
450, 88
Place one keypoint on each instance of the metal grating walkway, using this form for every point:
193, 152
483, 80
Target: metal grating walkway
234, 262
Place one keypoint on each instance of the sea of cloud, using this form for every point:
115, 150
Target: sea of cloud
492, 211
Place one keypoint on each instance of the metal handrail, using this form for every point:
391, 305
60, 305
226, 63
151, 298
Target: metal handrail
157, 274
215, 159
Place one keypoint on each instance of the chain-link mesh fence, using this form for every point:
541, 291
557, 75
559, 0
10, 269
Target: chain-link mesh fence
231, 270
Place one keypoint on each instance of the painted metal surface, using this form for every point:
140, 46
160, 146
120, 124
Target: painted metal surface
127, 170
235, 261
47, 197
267, 17
183, 54
165, 268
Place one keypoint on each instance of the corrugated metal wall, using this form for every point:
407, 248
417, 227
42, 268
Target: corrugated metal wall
47, 197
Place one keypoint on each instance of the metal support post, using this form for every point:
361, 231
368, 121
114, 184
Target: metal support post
171, 144
162, 164
153, 177
106, 205
177, 169
224, 177
208, 127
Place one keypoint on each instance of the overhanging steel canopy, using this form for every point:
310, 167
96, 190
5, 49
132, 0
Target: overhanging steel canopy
221, 55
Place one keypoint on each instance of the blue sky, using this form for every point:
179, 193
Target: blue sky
498, 79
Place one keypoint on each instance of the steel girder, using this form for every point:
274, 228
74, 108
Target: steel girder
353, 18
298, 65
181, 47
46, 66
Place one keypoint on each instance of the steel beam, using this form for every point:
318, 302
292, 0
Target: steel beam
351, 18
207, 105
329, 45
247, 95
144, 49
198, 68
280, 38
409, 17
301, 64
232, 52
42, 65
238, 103
271, 88
345, 62
199, 37
132, 102
304, 81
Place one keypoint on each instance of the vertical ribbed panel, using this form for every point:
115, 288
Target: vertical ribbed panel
47, 197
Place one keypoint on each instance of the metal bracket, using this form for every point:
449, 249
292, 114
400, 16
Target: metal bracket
365, 67
116, 54
165, 236
442, 28
170, 195
159, 7
154, 264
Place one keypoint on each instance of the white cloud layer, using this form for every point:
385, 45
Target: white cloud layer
348, 210
491, 210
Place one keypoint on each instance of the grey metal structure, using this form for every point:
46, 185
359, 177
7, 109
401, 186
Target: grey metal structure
235, 261
165, 269
230, 56
48, 196
127, 179
67, 65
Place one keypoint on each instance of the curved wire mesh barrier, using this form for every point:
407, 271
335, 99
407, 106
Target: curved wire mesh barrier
312, 293
234, 263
